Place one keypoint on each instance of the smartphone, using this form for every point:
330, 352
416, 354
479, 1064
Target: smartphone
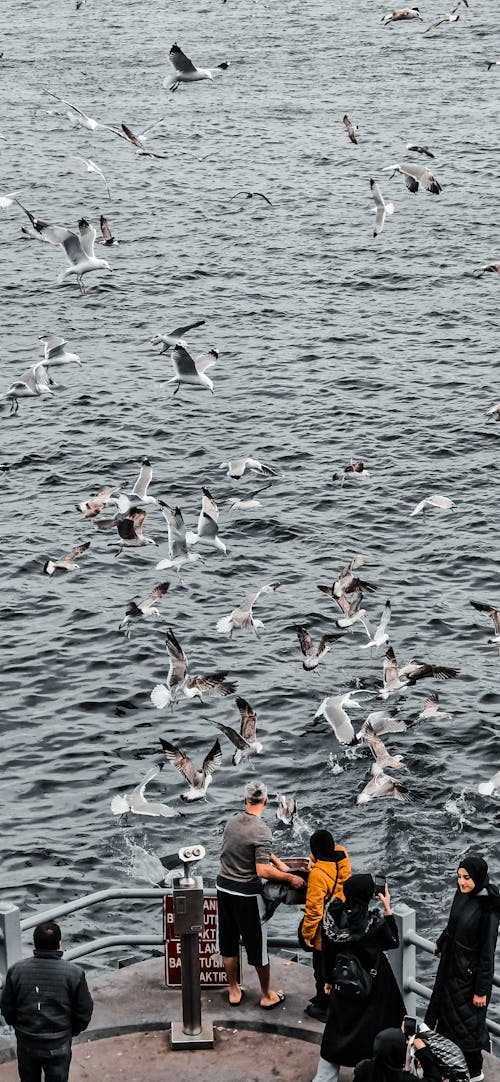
379, 883
409, 1026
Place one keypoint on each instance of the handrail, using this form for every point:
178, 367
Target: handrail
91, 899
107, 941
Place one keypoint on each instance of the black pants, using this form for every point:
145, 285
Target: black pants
474, 1061
320, 999
37, 1061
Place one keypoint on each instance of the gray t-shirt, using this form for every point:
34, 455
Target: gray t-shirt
247, 842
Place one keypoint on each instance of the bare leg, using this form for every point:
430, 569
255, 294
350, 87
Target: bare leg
231, 965
268, 996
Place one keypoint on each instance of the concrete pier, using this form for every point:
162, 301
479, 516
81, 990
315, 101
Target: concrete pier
133, 1011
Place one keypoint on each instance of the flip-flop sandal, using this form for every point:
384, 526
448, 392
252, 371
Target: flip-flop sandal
271, 1006
239, 1001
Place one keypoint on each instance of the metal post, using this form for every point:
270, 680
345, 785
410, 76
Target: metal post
188, 923
10, 936
403, 960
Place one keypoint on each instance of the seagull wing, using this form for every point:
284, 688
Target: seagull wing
339, 720
183, 362
87, 237
180, 62
391, 671
248, 726
152, 773
178, 661
306, 643
233, 736
212, 760
208, 505
105, 230
155, 595
211, 684
143, 481
206, 360
182, 762
349, 128
56, 234
385, 620
179, 332
133, 138
489, 610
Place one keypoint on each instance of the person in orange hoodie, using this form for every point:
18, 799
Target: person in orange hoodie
329, 867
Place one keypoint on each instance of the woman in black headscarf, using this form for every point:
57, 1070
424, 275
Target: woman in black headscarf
351, 929
464, 979
329, 867
388, 1061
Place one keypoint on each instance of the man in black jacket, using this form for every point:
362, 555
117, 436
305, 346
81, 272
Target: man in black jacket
48, 1002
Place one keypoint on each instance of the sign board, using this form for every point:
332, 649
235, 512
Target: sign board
212, 972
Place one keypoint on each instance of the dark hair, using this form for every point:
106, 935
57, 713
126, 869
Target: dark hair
322, 845
47, 936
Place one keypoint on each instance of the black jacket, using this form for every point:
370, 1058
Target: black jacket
352, 1026
466, 966
46, 998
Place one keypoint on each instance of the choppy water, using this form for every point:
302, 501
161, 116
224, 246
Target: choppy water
331, 345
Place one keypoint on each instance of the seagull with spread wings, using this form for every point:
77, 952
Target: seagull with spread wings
54, 352
179, 681
380, 636
333, 709
189, 371
185, 70
77, 116
250, 195
243, 616
129, 528
350, 128
443, 502
68, 562
431, 708
207, 531
198, 781
31, 384
494, 614
95, 504
178, 551
379, 751
395, 678
79, 250
245, 741
92, 168
137, 141
313, 654
415, 175
381, 207
139, 493
236, 467
381, 785
171, 338
144, 610
136, 802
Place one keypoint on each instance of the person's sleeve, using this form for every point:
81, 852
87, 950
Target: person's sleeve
263, 845
315, 902
486, 964
430, 1068
7, 1001
389, 935
82, 1006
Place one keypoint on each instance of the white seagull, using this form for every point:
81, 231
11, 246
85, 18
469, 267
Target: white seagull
450, 17
77, 116
402, 15
491, 787
243, 616
79, 250
381, 785
352, 613
144, 610
8, 199
178, 551
494, 614
236, 467
414, 175
431, 708
333, 709
171, 338
178, 679
185, 70
380, 637
381, 722
139, 494
135, 801
33, 382
379, 750
55, 353
245, 741
198, 782
249, 504
68, 562
189, 371
92, 168
381, 207
207, 531
433, 501
287, 808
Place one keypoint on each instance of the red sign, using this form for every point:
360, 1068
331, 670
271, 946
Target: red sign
211, 969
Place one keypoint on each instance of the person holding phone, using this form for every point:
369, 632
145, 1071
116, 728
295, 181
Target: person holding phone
466, 950
364, 997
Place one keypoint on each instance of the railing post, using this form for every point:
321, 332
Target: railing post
403, 960
10, 936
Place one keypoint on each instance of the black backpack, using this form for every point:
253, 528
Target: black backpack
350, 979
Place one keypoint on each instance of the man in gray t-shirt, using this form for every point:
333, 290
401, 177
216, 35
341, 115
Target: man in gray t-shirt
247, 858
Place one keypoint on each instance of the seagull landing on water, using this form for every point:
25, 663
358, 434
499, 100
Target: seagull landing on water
33, 383
431, 708
380, 637
419, 149
243, 616
355, 468
68, 562
245, 741
491, 787
198, 781
171, 338
208, 529
403, 15
93, 506
79, 250
494, 614
187, 370
249, 504
381, 722
414, 176
350, 128
144, 610
178, 551
186, 72
433, 501
135, 801
55, 353
139, 494
236, 467
379, 751
287, 808
179, 681
333, 709
381, 208
381, 785
313, 654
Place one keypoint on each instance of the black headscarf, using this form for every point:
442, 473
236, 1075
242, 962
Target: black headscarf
477, 868
389, 1056
358, 893
323, 847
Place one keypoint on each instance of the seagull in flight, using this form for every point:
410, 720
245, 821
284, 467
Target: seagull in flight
245, 741
185, 70
135, 801
431, 708
450, 17
33, 382
395, 678
107, 236
494, 614
379, 751
350, 129
236, 467
178, 551
54, 352
249, 195
77, 116
144, 609
79, 250
380, 637
92, 168
381, 785
381, 207
137, 142
333, 709
433, 501
243, 616
178, 679
198, 781
287, 808
130, 530
68, 562
190, 371
348, 582
171, 338
415, 175
491, 787
208, 529
403, 15
249, 504
8, 199
313, 654
490, 268
381, 722
139, 494
93, 506
352, 613
417, 148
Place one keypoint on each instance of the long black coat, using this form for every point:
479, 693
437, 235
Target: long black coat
352, 1026
466, 967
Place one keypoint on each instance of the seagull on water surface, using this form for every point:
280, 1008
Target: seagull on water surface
135, 801
33, 382
381, 785
243, 616
236, 467
185, 70
198, 781
68, 562
381, 208
333, 709
79, 250
355, 468
144, 609
415, 175
313, 654
433, 501
245, 741
178, 679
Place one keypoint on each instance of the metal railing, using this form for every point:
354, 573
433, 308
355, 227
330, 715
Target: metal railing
403, 960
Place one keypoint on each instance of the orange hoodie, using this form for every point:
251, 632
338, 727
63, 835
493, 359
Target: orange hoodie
325, 881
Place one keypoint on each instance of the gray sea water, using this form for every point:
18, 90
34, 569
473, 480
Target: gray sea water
332, 344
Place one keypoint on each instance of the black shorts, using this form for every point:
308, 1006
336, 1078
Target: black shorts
239, 917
